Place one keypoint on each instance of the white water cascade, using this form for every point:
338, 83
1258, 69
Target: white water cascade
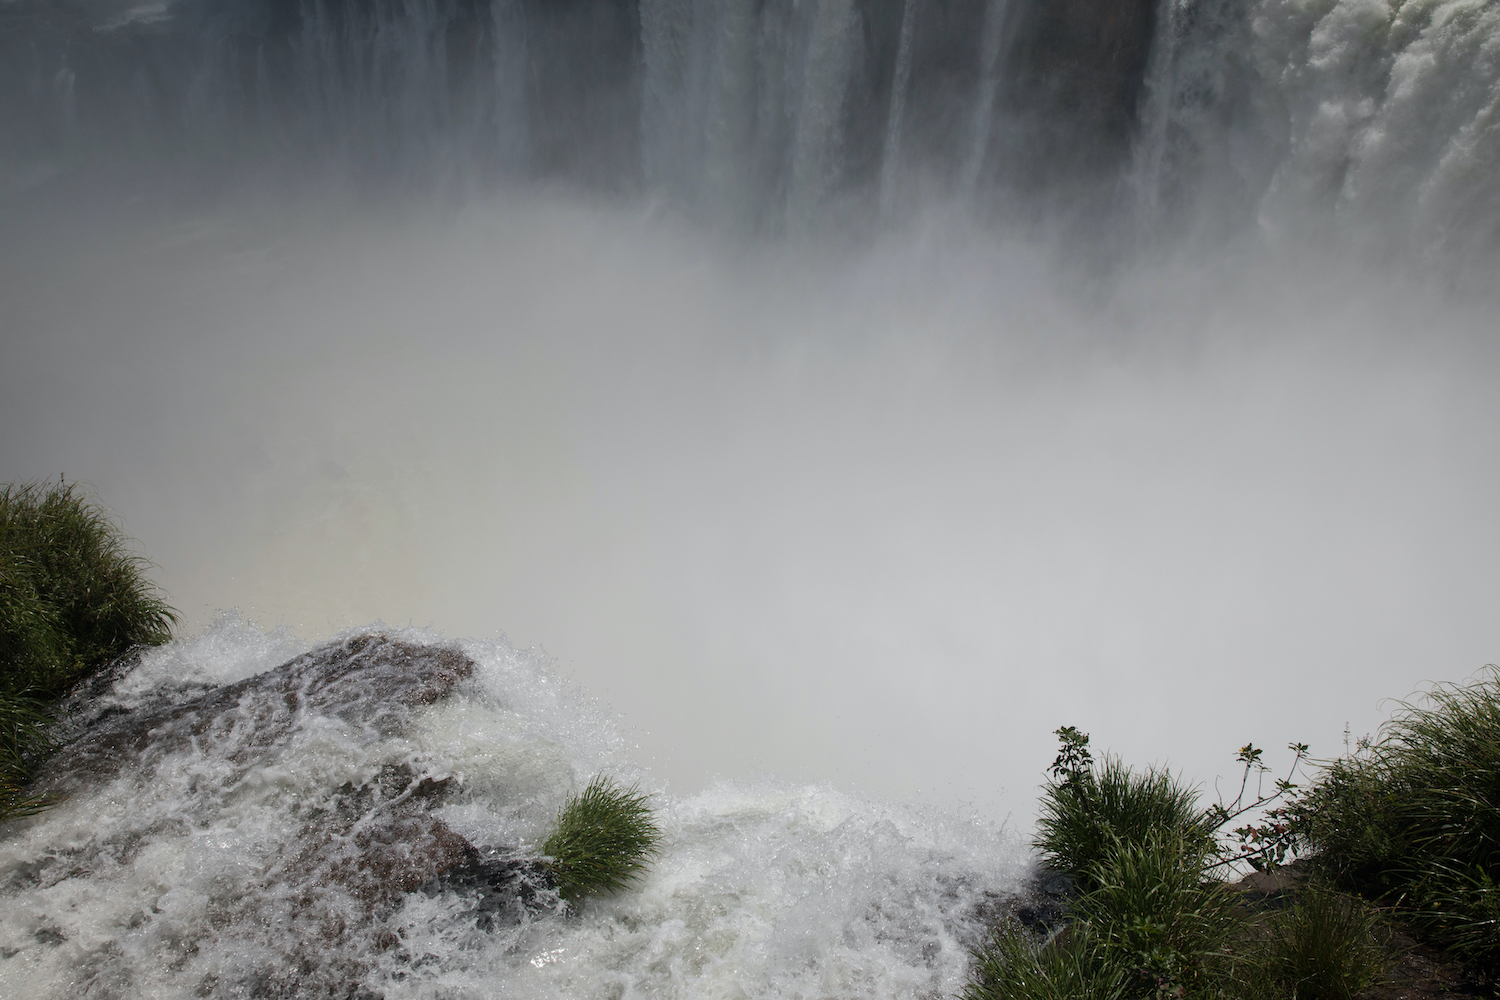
242, 852
1376, 120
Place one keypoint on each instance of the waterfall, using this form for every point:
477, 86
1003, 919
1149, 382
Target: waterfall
984, 107
892, 149
774, 113
821, 84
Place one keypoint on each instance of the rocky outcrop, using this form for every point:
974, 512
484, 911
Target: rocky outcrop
375, 840
369, 681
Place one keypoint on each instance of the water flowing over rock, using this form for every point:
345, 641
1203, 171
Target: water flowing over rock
369, 682
349, 852
354, 823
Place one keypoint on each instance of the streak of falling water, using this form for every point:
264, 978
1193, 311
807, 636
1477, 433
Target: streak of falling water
826, 62
989, 84
892, 152
510, 83
1145, 177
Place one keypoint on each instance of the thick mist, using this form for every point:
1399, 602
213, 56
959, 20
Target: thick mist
882, 512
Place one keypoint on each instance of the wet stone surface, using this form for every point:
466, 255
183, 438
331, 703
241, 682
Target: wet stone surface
190, 760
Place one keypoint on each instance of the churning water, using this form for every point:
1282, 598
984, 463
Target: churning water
846, 390
238, 833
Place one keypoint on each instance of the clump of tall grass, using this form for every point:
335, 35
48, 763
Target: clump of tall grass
604, 839
1322, 948
24, 739
72, 595
1089, 810
1013, 966
72, 598
1147, 919
1413, 818
1159, 919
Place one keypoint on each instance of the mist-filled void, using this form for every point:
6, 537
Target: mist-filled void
805, 406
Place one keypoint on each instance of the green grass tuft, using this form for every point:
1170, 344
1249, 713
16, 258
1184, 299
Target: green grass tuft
1324, 947
1159, 921
604, 839
1013, 966
1085, 814
1414, 818
72, 598
23, 741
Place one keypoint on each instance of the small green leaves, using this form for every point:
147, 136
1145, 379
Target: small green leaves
1073, 758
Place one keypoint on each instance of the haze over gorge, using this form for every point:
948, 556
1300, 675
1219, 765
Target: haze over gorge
803, 407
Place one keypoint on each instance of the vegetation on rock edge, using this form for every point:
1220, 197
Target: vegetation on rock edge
604, 839
73, 597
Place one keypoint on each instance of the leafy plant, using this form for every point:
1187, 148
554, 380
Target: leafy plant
1266, 844
604, 839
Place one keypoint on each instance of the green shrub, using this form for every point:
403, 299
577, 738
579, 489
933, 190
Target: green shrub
72, 597
1157, 919
1149, 927
1415, 818
1147, 921
1013, 966
603, 841
1087, 810
1324, 947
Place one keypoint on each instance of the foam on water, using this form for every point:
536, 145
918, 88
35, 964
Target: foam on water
185, 874
769, 890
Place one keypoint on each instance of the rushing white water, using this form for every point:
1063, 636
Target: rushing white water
1374, 119
176, 871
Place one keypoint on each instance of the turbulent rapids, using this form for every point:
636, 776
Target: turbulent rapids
314, 829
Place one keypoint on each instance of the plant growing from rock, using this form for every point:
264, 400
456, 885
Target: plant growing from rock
1088, 810
1324, 947
1148, 918
72, 598
603, 842
1413, 818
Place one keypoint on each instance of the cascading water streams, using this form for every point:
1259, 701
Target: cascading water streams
892, 150
760, 114
1378, 119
